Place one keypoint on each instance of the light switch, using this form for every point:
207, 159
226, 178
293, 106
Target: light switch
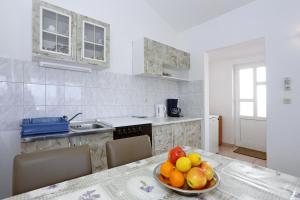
287, 84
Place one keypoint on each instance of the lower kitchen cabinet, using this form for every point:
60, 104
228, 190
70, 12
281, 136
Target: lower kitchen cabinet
178, 134
193, 134
44, 145
96, 143
162, 139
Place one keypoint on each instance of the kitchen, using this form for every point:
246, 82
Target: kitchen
130, 77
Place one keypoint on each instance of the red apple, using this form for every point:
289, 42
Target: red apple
175, 153
196, 178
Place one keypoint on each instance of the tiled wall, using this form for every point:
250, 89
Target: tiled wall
27, 90
191, 96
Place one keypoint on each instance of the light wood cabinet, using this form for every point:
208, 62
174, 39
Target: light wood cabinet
63, 35
53, 32
162, 139
183, 60
178, 134
44, 145
93, 42
154, 58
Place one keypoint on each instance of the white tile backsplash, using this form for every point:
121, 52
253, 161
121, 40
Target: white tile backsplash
34, 94
10, 117
73, 96
33, 73
74, 78
33, 91
34, 111
11, 93
11, 70
55, 95
54, 111
55, 76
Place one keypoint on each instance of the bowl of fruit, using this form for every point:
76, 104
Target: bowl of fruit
186, 174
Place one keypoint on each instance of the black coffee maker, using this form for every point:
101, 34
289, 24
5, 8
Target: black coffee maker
172, 108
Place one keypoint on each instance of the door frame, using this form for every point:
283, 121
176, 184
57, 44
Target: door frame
237, 123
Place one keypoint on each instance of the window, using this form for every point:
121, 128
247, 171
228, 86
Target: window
252, 92
246, 83
94, 41
55, 32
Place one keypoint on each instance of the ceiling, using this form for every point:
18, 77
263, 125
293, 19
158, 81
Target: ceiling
246, 49
184, 14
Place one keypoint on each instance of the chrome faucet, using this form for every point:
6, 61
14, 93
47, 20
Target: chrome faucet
74, 116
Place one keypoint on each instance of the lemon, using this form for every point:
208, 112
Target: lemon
183, 164
195, 159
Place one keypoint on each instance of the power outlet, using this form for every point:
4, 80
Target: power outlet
287, 100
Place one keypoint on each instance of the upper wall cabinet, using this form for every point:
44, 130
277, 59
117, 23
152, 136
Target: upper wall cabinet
93, 41
154, 58
53, 32
61, 34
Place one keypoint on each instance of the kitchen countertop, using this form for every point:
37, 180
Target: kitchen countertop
155, 121
124, 121
239, 180
171, 120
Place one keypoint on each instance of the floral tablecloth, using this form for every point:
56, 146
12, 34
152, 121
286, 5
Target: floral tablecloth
239, 180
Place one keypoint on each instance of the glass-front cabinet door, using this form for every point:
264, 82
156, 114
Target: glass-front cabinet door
93, 41
53, 32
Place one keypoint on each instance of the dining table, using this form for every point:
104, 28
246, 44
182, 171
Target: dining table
133, 181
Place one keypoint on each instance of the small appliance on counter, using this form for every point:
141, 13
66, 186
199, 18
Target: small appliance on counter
172, 108
160, 110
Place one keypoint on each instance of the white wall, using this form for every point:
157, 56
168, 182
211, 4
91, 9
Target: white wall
279, 23
130, 20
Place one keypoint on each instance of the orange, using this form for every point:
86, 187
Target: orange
166, 168
177, 179
164, 180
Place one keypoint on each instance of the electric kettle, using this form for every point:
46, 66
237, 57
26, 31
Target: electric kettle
160, 110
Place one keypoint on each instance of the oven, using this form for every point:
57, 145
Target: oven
132, 131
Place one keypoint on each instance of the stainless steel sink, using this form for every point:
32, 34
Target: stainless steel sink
89, 126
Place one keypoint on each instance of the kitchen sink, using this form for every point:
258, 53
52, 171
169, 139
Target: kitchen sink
89, 126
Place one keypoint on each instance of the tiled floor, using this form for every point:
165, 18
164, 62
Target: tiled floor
227, 150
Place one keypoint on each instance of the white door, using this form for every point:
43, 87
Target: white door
250, 95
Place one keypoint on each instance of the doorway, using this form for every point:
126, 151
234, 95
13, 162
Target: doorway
236, 85
250, 106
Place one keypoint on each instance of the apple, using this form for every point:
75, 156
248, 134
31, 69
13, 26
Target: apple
207, 170
175, 154
196, 178
212, 182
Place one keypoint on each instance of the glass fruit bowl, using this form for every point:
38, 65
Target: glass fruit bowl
185, 191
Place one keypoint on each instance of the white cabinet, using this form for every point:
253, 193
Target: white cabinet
214, 133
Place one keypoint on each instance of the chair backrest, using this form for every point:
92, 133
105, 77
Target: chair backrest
127, 150
39, 169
